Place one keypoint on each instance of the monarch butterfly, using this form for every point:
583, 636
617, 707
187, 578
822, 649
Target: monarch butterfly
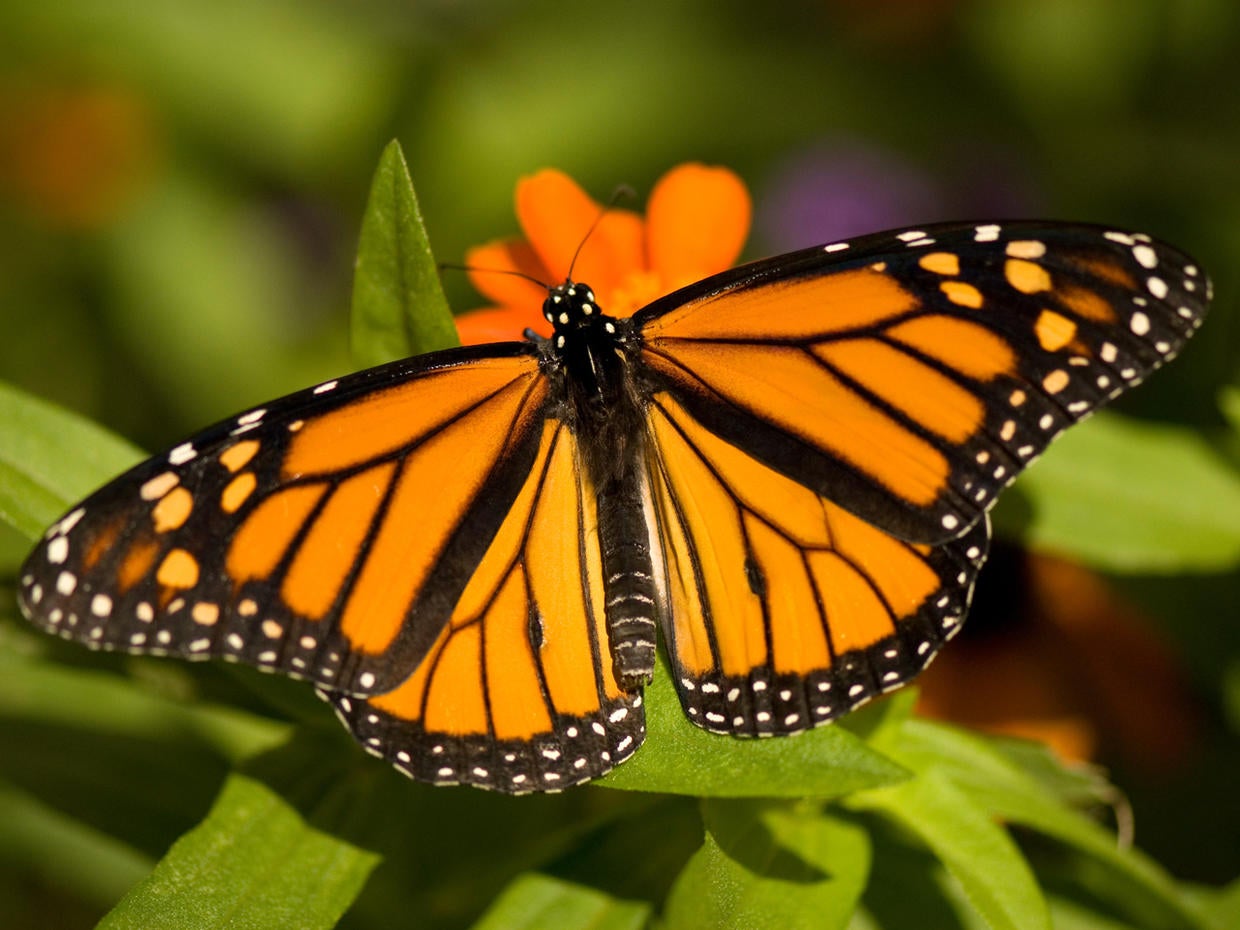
787, 467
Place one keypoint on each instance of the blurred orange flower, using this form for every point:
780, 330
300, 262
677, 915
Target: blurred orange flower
696, 222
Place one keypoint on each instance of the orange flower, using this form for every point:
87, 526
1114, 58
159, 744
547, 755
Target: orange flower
696, 222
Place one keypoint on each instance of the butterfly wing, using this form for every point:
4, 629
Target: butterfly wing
828, 429
517, 692
910, 376
327, 535
785, 610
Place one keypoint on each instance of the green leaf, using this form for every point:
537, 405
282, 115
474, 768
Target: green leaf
777, 865
64, 853
55, 695
1132, 496
961, 833
399, 308
50, 458
681, 758
1229, 404
536, 901
254, 862
988, 776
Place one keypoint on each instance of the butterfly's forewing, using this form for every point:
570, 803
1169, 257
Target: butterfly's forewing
785, 610
910, 376
326, 535
517, 691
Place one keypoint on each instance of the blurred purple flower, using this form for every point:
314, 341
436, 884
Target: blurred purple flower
846, 187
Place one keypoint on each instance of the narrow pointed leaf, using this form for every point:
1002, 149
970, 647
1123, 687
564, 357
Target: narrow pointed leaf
399, 308
978, 852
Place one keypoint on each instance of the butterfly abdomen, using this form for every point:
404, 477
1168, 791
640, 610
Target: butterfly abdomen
631, 599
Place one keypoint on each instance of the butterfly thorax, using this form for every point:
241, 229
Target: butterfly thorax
604, 411
590, 350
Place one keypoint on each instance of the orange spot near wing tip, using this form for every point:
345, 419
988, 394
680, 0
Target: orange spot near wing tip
172, 510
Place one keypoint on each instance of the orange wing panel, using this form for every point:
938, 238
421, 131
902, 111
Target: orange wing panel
782, 616
788, 388
383, 422
801, 309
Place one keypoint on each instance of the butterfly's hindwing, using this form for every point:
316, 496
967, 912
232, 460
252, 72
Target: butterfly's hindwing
517, 693
785, 610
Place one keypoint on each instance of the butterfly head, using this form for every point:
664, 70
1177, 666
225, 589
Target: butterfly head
571, 307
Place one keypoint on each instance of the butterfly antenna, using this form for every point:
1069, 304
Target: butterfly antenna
450, 266
623, 192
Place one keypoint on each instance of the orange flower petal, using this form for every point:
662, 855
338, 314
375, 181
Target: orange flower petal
696, 223
499, 324
556, 214
489, 263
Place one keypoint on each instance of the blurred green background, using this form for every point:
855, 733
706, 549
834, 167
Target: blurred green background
181, 186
